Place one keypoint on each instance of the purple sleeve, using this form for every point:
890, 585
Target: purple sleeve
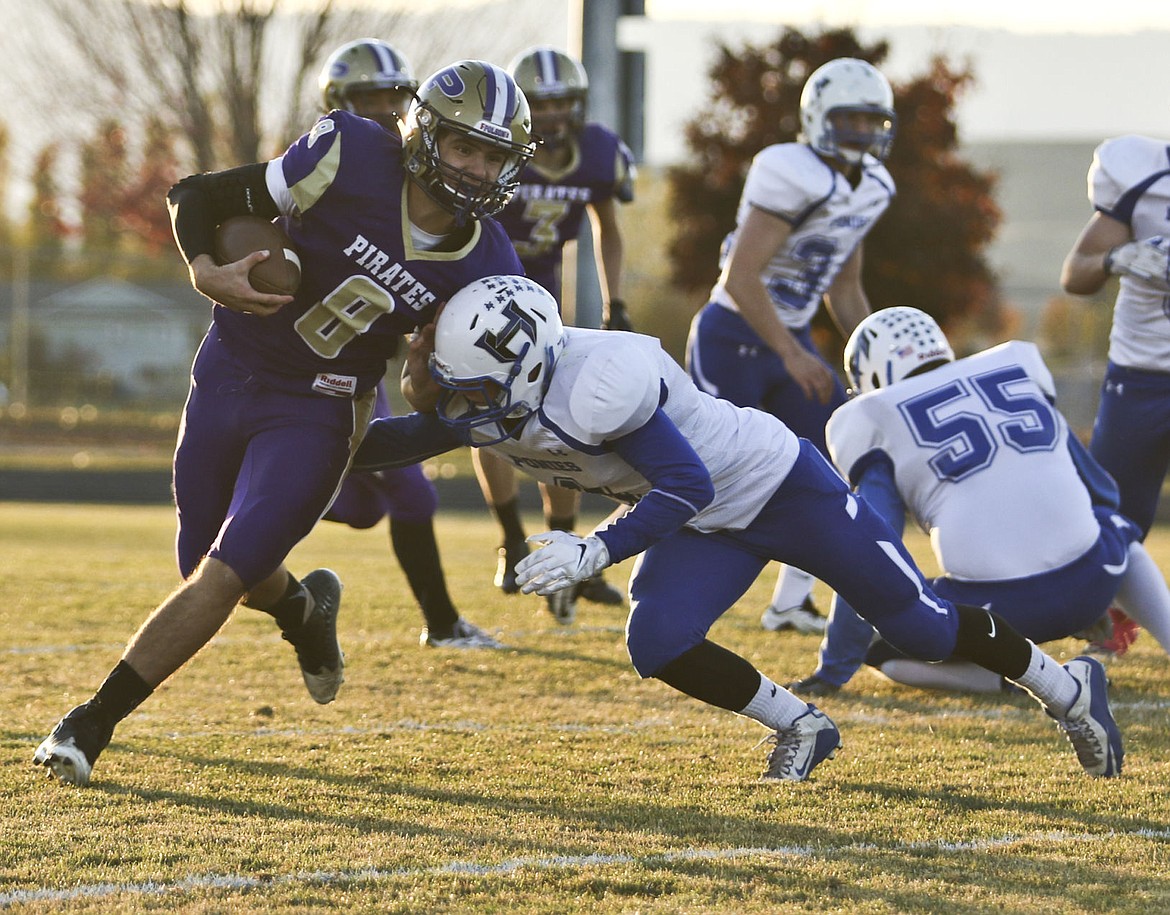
682, 487
399, 441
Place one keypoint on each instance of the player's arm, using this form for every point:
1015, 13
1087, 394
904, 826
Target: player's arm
875, 483
1085, 268
1102, 488
761, 236
399, 441
610, 251
681, 486
418, 385
199, 203
846, 299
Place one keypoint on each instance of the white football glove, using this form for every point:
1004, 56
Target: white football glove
564, 560
1148, 260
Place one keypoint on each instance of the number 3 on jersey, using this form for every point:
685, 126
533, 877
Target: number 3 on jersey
346, 312
966, 441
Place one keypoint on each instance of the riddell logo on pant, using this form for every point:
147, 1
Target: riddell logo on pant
335, 385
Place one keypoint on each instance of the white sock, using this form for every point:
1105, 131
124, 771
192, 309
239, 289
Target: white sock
965, 676
1054, 686
1144, 596
792, 587
773, 706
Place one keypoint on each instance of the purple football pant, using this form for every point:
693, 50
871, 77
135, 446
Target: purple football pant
255, 467
404, 494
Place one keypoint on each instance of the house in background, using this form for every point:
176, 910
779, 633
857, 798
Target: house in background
137, 342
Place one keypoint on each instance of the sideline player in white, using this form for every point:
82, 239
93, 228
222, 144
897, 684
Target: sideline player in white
1129, 235
1022, 520
804, 212
611, 412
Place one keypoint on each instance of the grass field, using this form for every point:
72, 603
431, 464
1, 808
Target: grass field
544, 778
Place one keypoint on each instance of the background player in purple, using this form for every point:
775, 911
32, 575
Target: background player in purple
805, 210
613, 413
372, 79
579, 168
1128, 236
387, 227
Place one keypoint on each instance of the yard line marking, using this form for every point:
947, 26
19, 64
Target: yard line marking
504, 868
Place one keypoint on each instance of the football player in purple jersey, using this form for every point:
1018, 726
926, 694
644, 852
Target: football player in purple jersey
1128, 236
372, 79
387, 226
805, 210
579, 169
715, 492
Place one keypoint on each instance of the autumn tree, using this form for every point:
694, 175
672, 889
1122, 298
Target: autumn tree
927, 251
146, 223
45, 228
104, 172
6, 236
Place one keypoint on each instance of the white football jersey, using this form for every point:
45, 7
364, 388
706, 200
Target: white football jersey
980, 460
608, 384
828, 216
1129, 180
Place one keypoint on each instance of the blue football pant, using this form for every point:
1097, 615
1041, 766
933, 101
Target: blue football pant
727, 359
1131, 438
1044, 607
681, 585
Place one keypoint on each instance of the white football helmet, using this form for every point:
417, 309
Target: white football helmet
496, 342
843, 87
892, 344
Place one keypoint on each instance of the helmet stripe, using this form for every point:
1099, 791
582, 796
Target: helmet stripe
500, 94
546, 64
387, 65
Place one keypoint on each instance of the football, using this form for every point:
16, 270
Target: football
239, 236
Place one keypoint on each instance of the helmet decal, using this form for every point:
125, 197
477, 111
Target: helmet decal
496, 342
449, 82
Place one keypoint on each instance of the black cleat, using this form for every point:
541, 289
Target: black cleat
599, 591
315, 640
70, 751
812, 685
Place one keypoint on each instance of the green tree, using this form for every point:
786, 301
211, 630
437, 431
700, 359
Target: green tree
928, 249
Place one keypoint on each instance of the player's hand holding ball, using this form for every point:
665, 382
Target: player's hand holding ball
256, 269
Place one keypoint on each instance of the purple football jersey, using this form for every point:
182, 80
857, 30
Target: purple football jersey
548, 207
363, 284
